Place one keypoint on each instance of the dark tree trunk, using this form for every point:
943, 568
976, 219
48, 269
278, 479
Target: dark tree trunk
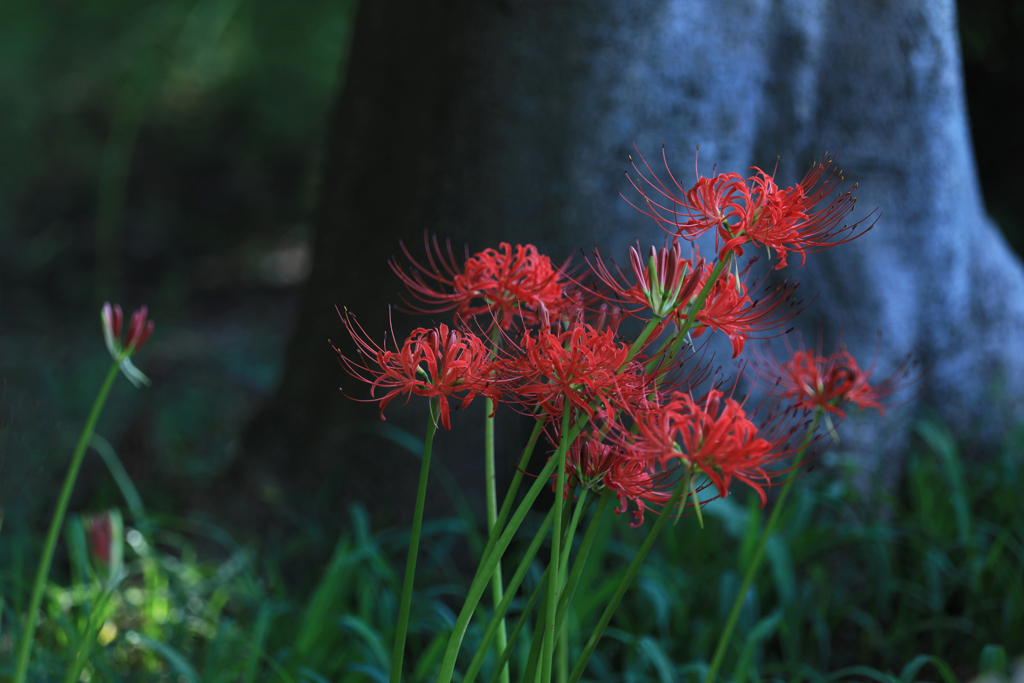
512, 121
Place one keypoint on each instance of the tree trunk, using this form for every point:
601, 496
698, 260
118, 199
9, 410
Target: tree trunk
512, 121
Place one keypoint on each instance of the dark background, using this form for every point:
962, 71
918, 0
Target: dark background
169, 154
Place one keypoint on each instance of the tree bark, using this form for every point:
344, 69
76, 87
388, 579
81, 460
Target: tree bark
513, 121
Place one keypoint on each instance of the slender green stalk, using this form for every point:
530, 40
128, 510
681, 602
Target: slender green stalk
554, 578
649, 328
755, 561
634, 567
562, 668
92, 630
414, 545
28, 634
581, 559
520, 623
697, 305
513, 488
581, 505
492, 517
533, 670
492, 505
490, 559
502, 608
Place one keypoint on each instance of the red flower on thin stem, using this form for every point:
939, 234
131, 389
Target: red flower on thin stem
504, 283
139, 330
812, 381
580, 364
439, 363
714, 435
665, 283
753, 210
786, 220
603, 467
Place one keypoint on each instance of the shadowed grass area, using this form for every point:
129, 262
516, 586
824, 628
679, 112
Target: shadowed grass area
847, 593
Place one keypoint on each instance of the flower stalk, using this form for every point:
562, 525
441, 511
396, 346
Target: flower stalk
405, 603
755, 560
681, 489
43, 571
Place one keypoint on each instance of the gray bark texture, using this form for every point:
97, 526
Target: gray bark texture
513, 121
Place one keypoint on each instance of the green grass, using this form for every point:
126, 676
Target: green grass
849, 592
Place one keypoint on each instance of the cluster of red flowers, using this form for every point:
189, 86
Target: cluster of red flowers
754, 210
542, 339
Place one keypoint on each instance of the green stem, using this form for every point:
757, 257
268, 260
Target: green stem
755, 561
520, 623
649, 328
631, 572
43, 572
581, 559
533, 672
398, 654
697, 305
581, 505
92, 630
554, 583
562, 670
513, 488
492, 518
502, 608
490, 559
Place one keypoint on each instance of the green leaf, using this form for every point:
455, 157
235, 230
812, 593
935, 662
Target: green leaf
121, 478
865, 672
654, 652
762, 630
177, 661
909, 673
941, 441
993, 659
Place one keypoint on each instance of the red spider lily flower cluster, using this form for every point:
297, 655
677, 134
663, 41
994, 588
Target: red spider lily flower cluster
812, 381
556, 342
504, 283
139, 330
438, 363
713, 434
602, 467
580, 365
754, 210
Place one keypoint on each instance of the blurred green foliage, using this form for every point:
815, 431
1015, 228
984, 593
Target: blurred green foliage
138, 136
849, 593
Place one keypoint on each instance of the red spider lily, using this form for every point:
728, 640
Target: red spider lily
714, 434
101, 534
667, 282
753, 210
714, 202
785, 220
730, 310
599, 467
811, 381
503, 283
139, 330
580, 364
437, 363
